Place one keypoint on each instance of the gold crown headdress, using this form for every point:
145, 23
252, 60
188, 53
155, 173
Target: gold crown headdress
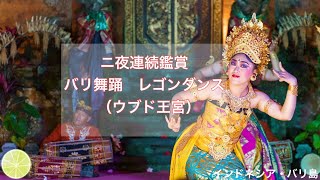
251, 39
82, 106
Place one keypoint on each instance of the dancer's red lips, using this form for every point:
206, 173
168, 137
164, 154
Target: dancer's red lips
235, 76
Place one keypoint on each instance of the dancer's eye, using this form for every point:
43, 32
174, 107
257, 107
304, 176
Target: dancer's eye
244, 66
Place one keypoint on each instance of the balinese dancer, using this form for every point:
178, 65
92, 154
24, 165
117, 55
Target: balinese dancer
226, 141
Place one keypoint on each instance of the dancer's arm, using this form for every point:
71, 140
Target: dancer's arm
209, 71
273, 109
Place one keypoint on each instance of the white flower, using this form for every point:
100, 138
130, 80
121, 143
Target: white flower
149, 169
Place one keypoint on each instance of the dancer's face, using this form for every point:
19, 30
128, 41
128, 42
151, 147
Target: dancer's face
240, 69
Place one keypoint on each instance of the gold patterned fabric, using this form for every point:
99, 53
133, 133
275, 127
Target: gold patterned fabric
216, 132
220, 131
201, 165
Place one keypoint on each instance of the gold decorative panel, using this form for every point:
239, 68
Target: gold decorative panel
173, 24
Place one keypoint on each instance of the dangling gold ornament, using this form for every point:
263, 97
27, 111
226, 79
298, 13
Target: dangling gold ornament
292, 22
57, 41
45, 42
36, 39
318, 42
4, 58
236, 103
295, 37
285, 40
303, 35
318, 38
13, 49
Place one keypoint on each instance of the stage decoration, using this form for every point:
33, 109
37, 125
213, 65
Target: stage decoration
284, 151
295, 23
44, 25
318, 38
7, 38
36, 26
86, 60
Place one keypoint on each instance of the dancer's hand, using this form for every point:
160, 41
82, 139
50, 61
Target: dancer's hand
173, 123
283, 75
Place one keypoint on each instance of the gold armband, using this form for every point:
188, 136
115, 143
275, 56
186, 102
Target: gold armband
194, 92
266, 107
293, 89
